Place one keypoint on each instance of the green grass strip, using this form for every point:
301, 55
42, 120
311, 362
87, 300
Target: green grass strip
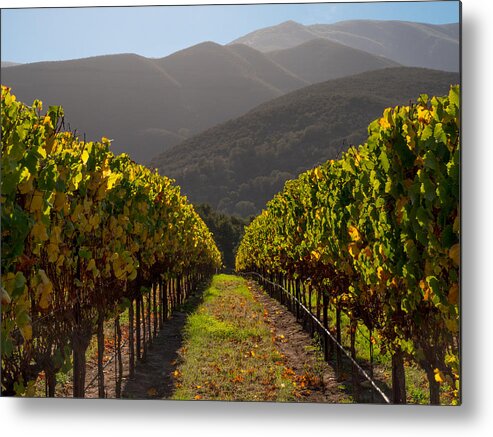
229, 353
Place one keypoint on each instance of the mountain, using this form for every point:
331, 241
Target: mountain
282, 36
124, 97
220, 82
407, 43
147, 105
320, 59
5, 64
239, 165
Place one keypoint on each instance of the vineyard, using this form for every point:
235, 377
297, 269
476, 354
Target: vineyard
87, 236
98, 251
374, 238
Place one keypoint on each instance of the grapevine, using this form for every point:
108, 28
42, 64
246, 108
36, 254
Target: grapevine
377, 234
85, 233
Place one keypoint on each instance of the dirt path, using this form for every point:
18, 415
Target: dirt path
301, 355
153, 378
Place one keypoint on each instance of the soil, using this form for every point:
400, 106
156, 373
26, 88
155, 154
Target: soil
300, 352
153, 378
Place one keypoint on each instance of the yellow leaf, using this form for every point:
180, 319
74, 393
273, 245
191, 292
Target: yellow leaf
113, 179
384, 123
55, 236
60, 199
26, 186
46, 290
454, 254
84, 157
36, 202
427, 293
379, 272
39, 232
424, 115
53, 252
91, 265
456, 225
439, 376
353, 249
453, 294
318, 173
354, 233
27, 332
152, 391
367, 252
94, 220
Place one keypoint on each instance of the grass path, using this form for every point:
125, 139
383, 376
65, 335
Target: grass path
234, 351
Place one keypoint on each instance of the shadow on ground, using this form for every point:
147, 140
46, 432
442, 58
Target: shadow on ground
153, 378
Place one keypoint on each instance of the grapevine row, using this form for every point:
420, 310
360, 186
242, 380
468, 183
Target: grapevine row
376, 235
85, 235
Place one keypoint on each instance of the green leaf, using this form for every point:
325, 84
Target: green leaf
454, 96
384, 161
427, 133
428, 189
84, 252
439, 133
422, 217
19, 284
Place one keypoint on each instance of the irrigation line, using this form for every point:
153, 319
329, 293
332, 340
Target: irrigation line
91, 382
324, 329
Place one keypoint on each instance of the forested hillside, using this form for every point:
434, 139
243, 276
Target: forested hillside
237, 166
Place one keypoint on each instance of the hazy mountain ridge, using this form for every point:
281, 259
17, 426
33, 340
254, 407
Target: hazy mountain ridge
6, 64
126, 96
320, 59
407, 43
238, 165
148, 105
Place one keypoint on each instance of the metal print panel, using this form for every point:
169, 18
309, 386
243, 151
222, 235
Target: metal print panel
233, 202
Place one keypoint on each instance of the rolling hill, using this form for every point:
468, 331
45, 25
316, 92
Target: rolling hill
147, 105
237, 166
319, 60
407, 43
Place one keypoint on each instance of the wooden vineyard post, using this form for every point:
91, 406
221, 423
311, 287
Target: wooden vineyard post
338, 338
155, 309
326, 325
100, 354
354, 370
144, 343
137, 327
166, 294
148, 317
370, 333
398, 378
297, 285
161, 303
131, 346
119, 362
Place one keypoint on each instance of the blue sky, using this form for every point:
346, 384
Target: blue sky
48, 34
